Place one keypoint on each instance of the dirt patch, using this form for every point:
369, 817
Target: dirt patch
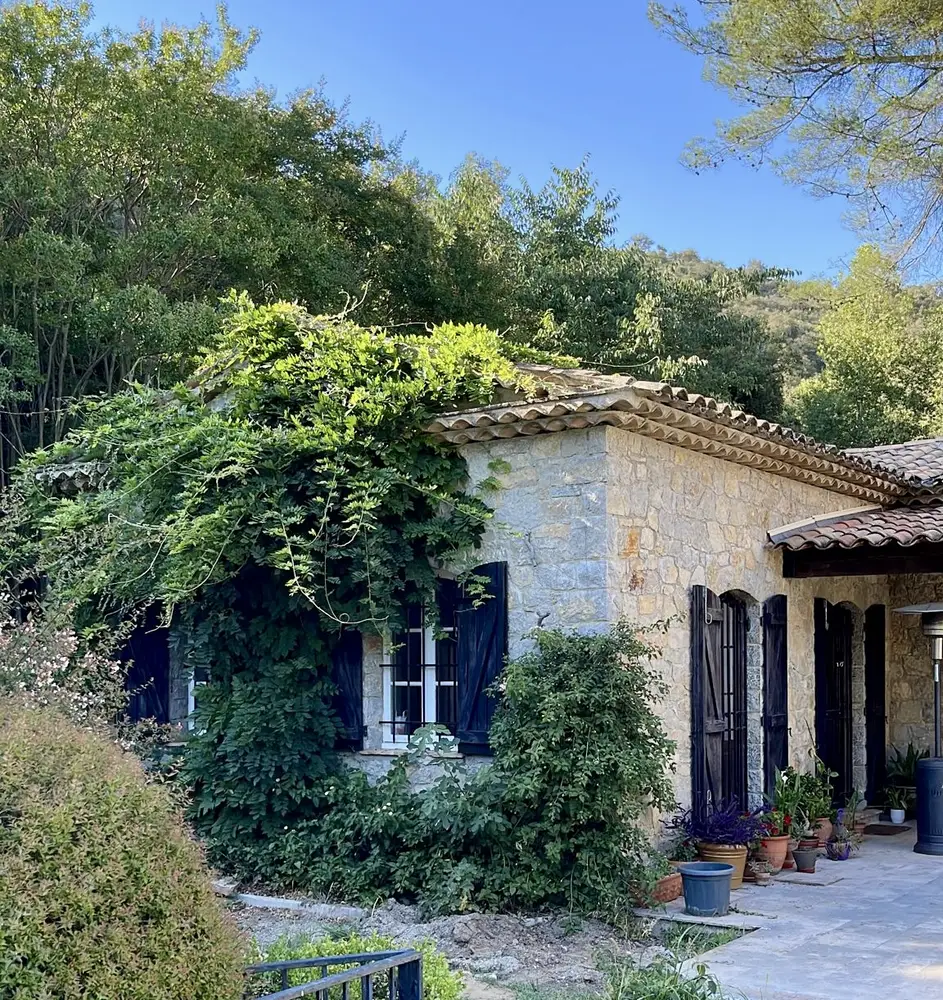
547, 951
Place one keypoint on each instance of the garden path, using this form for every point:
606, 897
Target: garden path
875, 931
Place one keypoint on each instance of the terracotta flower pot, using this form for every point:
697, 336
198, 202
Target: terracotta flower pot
790, 863
807, 844
823, 828
773, 850
667, 888
725, 854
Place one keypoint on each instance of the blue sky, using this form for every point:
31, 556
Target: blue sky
533, 84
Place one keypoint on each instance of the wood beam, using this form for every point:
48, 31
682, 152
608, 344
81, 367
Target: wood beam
882, 560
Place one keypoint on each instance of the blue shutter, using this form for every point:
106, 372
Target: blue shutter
482, 648
347, 675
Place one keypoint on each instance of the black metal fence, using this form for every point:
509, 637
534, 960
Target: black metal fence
387, 975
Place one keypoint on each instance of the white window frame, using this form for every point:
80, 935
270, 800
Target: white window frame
392, 740
191, 699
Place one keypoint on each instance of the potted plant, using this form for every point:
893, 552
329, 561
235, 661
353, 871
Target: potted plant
760, 871
816, 798
840, 843
787, 799
853, 822
807, 849
723, 834
902, 771
774, 841
667, 887
898, 800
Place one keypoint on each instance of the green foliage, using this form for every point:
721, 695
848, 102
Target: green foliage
582, 754
579, 754
665, 978
138, 184
902, 765
285, 491
845, 98
566, 288
438, 981
265, 727
102, 891
883, 364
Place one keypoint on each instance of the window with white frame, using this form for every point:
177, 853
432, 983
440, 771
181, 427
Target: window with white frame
420, 681
199, 677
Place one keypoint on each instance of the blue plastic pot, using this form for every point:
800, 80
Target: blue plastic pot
706, 888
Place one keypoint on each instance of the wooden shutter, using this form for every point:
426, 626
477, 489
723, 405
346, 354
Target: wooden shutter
775, 691
708, 717
482, 647
347, 674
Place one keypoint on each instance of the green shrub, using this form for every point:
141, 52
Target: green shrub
438, 981
102, 892
556, 820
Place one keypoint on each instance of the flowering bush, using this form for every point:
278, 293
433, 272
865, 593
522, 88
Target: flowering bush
776, 823
43, 663
725, 823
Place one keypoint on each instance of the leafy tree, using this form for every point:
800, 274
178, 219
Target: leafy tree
568, 289
881, 347
137, 185
282, 494
845, 98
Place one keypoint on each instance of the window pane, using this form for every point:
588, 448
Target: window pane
414, 651
446, 707
407, 710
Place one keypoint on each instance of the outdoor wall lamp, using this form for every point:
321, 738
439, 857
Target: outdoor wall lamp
930, 770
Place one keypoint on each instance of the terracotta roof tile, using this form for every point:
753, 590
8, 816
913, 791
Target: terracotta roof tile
900, 525
923, 459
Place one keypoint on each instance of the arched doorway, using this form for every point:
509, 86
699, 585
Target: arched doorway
726, 699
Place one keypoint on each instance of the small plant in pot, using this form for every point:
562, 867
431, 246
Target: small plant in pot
853, 821
774, 841
807, 850
761, 871
787, 799
898, 800
723, 834
841, 842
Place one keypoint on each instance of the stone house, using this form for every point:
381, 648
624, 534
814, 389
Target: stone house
777, 560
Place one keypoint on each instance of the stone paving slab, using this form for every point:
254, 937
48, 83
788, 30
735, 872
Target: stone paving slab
877, 931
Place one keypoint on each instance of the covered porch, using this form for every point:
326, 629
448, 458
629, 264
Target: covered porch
873, 670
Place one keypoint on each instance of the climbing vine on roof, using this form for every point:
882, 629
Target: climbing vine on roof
286, 490
298, 447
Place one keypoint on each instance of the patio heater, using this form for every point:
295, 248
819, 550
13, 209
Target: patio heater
930, 770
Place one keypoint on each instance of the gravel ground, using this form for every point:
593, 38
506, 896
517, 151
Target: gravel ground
544, 951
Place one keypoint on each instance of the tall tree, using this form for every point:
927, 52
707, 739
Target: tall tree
137, 185
846, 98
623, 309
882, 349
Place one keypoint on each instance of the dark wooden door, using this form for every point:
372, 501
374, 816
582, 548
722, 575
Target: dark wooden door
875, 710
775, 691
718, 699
833, 643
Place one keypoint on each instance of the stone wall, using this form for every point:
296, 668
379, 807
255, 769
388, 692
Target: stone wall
604, 522
909, 669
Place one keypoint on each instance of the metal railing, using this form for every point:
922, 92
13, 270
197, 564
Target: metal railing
401, 969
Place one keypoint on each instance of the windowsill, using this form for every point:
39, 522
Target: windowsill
399, 751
